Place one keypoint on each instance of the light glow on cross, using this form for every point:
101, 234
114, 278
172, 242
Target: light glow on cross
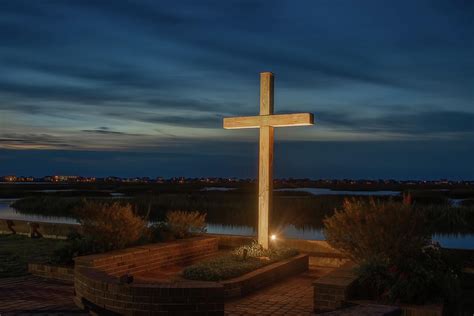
266, 122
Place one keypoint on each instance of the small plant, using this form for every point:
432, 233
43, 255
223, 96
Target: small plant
111, 225
256, 250
184, 224
252, 250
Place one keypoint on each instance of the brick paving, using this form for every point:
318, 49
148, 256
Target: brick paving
293, 296
31, 295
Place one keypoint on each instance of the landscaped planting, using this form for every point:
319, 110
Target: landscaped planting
239, 262
391, 244
110, 226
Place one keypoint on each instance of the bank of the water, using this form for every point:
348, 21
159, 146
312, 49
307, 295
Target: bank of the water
460, 241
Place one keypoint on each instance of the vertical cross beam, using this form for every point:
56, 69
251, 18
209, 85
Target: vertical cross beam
266, 122
265, 165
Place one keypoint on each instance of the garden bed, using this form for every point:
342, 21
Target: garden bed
240, 261
265, 276
248, 268
100, 287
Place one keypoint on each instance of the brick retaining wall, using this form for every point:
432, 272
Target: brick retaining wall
97, 280
151, 257
264, 276
100, 292
332, 290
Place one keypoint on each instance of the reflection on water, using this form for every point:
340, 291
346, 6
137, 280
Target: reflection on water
288, 231
457, 241
55, 190
217, 189
456, 202
214, 228
7, 212
323, 191
306, 232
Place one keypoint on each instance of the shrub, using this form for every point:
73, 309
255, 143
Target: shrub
77, 245
111, 225
414, 280
391, 243
160, 231
376, 230
184, 224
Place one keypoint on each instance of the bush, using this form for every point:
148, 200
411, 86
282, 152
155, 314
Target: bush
414, 280
391, 243
77, 245
111, 225
184, 224
375, 230
236, 263
160, 232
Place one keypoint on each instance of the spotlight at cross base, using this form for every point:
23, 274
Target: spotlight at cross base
273, 237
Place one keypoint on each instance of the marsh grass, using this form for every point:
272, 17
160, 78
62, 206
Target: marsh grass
239, 207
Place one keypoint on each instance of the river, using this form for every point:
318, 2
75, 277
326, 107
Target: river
288, 231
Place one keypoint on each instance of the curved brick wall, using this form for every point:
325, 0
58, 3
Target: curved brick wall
97, 281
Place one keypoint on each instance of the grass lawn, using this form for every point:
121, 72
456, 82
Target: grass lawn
17, 251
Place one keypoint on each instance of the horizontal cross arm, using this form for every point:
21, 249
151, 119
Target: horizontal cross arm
276, 120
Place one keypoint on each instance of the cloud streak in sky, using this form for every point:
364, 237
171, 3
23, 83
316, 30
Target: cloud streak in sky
145, 75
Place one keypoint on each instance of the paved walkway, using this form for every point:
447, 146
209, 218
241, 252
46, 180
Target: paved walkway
293, 296
31, 295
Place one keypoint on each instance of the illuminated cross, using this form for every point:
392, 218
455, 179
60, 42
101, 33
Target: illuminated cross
266, 121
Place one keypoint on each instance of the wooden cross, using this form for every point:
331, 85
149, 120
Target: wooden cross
266, 121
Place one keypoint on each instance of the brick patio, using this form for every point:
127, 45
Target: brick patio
293, 296
34, 295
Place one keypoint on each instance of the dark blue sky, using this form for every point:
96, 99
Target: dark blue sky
140, 87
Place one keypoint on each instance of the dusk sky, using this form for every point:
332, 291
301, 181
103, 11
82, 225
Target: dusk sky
139, 88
